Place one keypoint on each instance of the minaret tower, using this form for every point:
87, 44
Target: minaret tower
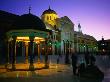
79, 28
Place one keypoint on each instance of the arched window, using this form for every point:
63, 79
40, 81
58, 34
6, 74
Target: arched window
50, 17
47, 18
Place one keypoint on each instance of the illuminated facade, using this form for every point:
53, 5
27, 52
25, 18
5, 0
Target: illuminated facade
69, 40
84, 43
29, 36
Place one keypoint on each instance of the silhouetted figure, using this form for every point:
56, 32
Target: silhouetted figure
92, 73
81, 68
74, 63
92, 60
58, 59
87, 58
67, 61
46, 61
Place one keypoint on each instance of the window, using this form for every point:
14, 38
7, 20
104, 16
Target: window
50, 17
47, 18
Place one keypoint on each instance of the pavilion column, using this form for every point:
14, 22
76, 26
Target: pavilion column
8, 52
31, 66
23, 49
7, 57
38, 53
26, 55
13, 52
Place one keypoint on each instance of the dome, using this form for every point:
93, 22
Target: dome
49, 11
29, 21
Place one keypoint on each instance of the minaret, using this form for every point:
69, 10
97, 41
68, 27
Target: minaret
102, 38
79, 28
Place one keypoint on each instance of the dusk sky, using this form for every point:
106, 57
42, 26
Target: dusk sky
93, 15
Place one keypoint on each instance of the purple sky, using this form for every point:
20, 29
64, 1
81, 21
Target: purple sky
94, 15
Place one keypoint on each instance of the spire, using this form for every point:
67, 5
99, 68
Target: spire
79, 28
49, 7
29, 9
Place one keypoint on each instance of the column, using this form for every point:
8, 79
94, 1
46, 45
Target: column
31, 66
38, 53
23, 49
26, 55
46, 55
53, 48
67, 47
67, 53
8, 45
71, 47
13, 52
7, 57
64, 47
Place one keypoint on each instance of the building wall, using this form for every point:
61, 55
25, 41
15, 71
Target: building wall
104, 46
67, 34
84, 43
69, 39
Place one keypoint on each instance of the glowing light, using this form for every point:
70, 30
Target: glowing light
50, 48
103, 50
56, 66
39, 39
50, 43
26, 39
17, 75
22, 38
102, 44
42, 48
27, 74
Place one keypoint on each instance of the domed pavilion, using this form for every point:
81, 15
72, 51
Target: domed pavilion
28, 38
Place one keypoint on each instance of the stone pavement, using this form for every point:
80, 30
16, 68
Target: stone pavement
56, 73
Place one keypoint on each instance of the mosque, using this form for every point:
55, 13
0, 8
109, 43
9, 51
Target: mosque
29, 36
64, 35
